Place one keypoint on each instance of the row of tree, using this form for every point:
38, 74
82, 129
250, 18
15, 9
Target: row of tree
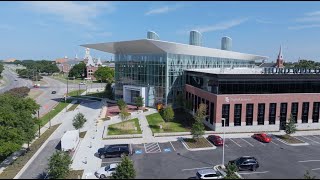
303, 64
1, 68
41, 66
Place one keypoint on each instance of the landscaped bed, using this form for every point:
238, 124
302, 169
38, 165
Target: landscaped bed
76, 92
289, 139
82, 134
12, 170
127, 127
197, 143
75, 174
155, 120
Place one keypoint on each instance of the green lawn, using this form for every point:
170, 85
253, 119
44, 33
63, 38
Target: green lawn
155, 120
63, 78
99, 94
12, 170
53, 113
75, 174
126, 127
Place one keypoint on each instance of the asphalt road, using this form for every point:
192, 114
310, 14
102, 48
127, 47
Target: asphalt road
11, 77
277, 160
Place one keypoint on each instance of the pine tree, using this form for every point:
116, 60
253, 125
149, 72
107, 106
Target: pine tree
125, 170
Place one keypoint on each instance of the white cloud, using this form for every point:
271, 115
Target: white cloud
162, 10
314, 13
71, 12
303, 26
309, 19
222, 25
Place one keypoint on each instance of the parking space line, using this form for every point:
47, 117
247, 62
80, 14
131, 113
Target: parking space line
315, 169
195, 168
316, 137
309, 161
172, 146
159, 147
247, 142
234, 142
255, 172
274, 143
309, 139
110, 162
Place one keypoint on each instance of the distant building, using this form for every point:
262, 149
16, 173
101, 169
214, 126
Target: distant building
91, 64
65, 64
278, 64
9, 60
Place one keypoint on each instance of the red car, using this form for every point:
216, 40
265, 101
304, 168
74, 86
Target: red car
216, 140
262, 137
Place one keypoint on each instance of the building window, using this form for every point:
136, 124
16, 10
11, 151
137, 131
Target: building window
249, 115
272, 113
283, 114
294, 111
261, 108
237, 114
207, 110
305, 112
211, 112
315, 112
225, 113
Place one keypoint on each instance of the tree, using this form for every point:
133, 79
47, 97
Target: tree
78, 70
17, 122
230, 171
125, 170
291, 126
180, 100
307, 175
1, 68
108, 91
201, 112
59, 165
124, 115
168, 113
139, 101
197, 129
187, 105
121, 104
104, 74
78, 121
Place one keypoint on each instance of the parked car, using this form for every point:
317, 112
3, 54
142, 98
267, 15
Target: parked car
216, 140
262, 137
106, 171
117, 150
53, 92
209, 174
246, 163
82, 83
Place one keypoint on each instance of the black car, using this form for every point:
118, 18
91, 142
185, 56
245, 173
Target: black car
246, 163
117, 150
53, 92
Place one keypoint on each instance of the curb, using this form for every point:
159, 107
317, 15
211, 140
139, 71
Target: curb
296, 144
34, 156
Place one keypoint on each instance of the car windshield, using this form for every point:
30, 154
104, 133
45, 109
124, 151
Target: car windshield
106, 168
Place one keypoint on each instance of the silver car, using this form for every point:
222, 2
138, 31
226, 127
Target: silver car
209, 174
106, 171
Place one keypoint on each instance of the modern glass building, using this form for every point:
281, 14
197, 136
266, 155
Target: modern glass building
154, 69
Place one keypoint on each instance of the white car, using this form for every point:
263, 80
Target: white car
106, 171
82, 83
209, 174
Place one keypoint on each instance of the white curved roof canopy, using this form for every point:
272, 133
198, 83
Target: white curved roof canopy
150, 46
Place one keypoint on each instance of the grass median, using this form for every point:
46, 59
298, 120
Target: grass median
76, 92
12, 170
53, 113
197, 143
75, 174
74, 106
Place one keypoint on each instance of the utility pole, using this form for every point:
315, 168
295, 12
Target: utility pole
223, 124
39, 122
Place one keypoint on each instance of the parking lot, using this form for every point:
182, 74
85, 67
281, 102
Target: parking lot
276, 159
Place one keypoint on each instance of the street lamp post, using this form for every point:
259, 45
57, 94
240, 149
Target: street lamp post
223, 124
50, 119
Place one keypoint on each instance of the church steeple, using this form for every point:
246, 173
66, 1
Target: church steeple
279, 63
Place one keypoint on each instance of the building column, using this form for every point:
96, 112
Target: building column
255, 114
310, 112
